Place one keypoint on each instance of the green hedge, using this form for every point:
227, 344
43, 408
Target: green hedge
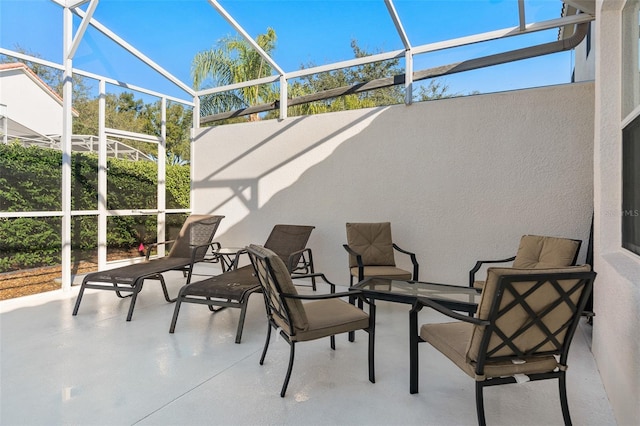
30, 180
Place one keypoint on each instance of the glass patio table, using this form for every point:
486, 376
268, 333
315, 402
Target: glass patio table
456, 298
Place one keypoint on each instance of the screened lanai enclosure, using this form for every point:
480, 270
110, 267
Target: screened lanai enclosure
98, 126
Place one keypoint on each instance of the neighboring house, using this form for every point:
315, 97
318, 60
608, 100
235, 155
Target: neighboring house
31, 111
30, 107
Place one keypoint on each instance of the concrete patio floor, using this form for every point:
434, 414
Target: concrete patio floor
97, 369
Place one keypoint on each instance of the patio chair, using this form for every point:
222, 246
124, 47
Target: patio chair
233, 288
189, 248
535, 252
371, 253
525, 322
322, 316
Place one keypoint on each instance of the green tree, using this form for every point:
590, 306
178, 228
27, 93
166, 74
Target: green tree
178, 129
234, 60
348, 77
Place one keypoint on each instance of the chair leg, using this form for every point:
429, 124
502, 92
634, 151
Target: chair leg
134, 296
266, 344
333, 342
562, 383
288, 376
243, 313
352, 334
176, 310
77, 305
118, 293
164, 289
137, 287
480, 404
372, 343
313, 283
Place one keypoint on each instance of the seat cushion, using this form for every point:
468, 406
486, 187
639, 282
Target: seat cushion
478, 285
329, 317
389, 272
545, 252
452, 339
372, 241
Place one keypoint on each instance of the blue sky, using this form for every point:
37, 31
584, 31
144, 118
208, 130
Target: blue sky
309, 31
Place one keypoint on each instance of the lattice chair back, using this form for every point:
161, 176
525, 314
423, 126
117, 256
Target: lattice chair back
533, 315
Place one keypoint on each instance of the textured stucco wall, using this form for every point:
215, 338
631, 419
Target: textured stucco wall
616, 342
460, 179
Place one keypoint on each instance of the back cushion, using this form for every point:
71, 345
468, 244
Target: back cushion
373, 241
545, 252
283, 278
516, 317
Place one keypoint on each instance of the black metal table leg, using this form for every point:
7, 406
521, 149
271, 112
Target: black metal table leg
413, 352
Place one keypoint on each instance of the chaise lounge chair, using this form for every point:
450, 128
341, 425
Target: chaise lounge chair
189, 248
233, 288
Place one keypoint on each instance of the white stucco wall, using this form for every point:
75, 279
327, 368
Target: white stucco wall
616, 342
460, 179
29, 102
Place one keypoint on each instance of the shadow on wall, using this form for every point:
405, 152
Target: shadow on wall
460, 179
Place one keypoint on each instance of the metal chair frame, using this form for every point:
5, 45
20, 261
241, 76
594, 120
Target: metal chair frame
508, 284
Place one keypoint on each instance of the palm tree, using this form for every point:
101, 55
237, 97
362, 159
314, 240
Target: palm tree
233, 61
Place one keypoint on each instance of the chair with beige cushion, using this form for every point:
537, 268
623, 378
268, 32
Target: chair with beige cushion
232, 288
536, 252
322, 316
371, 253
525, 322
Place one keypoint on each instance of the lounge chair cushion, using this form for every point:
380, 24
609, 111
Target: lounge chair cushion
372, 241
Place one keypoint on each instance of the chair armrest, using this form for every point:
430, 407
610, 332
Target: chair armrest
195, 250
308, 265
423, 301
150, 247
317, 275
358, 257
479, 263
413, 260
319, 296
